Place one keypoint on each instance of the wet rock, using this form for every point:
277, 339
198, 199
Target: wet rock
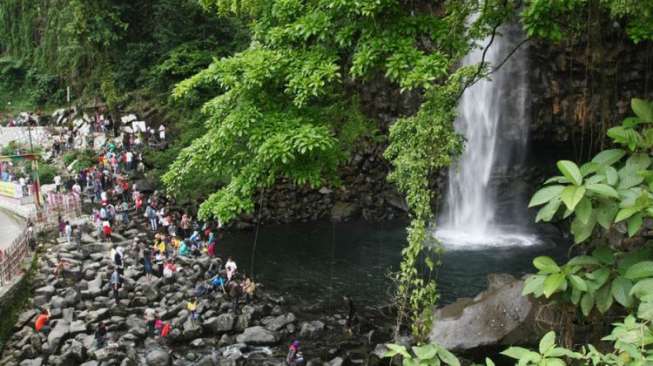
275, 324
222, 323
343, 210
258, 336
157, 357
499, 315
57, 335
32, 362
311, 329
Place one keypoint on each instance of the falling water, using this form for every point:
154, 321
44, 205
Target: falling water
493, 118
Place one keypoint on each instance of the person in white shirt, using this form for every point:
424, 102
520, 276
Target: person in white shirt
57, 183
231, 268
162, 133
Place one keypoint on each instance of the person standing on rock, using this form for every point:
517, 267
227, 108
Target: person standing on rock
192, 308
78, 235
249, 289
150, 319
235, 291
147, 262
231, 268
101, 335
119, 261
116, 281
150, 212
294, 356
68, 229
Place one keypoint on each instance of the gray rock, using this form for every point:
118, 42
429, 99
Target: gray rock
46, 291
77, 327
258, 336
220, 324
32, 362
499, 315
338, 361
57, 335
275, 324
343, 210
311, 329
157, 357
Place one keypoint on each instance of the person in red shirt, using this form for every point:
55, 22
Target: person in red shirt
41, 324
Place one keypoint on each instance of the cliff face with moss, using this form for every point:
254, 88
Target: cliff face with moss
582, 87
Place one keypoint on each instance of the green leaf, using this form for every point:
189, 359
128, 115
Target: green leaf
516, 352
570, 170
587, 303
547, 342
582, 231
554, 361
448, 357
602, 190
425, 352
640, 270
583, 260
545, 194
603, 299
597, 279
637, 162
642, 288
609, 157
645, 311
643, 109
604, 254
627, 212
621, 291
489, 362
552, 283
589, 168
395, 349
578, 283
546, 264
634, 224
571, 195
534, 284
611, 176
605, 213
584, 210
547, 212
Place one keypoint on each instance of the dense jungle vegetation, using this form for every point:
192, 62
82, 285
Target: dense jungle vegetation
260, 89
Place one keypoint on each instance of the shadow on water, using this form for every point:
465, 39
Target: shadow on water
325, 260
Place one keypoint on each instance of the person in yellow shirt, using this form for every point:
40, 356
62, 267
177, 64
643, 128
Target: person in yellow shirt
192, 307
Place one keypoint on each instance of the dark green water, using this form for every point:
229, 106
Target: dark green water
325, 261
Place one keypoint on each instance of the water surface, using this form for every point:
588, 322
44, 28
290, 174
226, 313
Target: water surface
326, 260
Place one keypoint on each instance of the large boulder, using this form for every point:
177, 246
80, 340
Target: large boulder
157, 357
57, 335
276, 323
499, 315
258, 336
311, 329
220, 324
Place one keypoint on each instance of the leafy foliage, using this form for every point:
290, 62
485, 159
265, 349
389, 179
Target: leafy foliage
616, 186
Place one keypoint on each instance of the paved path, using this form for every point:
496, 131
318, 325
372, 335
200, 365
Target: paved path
10, 228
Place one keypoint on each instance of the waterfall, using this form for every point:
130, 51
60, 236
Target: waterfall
493, 118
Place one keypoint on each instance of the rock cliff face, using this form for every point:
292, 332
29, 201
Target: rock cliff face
583, 86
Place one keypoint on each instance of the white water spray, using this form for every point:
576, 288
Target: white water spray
493, 119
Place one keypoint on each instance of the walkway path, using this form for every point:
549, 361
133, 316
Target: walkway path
10, 228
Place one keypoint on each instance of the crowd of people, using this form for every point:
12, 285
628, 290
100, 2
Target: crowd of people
173, 233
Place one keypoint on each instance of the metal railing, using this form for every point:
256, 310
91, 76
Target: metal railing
11, 259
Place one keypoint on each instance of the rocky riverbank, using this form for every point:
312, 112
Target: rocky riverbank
259, 335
